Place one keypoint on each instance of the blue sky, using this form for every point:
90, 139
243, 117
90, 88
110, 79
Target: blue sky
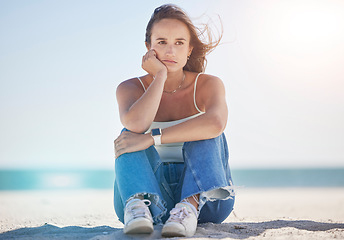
60, 63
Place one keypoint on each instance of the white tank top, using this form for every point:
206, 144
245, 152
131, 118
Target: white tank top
172, 152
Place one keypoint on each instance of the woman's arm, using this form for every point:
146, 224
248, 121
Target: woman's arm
211, 124
137, 111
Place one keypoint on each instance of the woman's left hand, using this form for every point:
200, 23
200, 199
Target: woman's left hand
132, 142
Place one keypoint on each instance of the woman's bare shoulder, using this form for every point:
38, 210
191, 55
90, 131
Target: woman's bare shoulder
132, 84
129, 83
206, 76
209, 81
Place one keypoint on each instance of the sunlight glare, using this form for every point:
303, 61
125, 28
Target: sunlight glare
61, 180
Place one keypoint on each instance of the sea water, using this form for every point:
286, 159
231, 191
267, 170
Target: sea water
104, 179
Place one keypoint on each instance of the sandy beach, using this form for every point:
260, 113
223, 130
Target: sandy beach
260, 213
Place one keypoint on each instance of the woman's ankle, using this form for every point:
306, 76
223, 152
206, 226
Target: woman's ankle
193, 200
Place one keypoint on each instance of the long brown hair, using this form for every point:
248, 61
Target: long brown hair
197, 61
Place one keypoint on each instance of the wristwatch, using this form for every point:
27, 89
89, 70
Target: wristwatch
156, 134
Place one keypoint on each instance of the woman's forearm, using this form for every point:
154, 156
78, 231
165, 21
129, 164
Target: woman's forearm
206, 126
141, 114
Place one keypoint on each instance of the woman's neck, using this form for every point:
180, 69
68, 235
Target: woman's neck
174, 79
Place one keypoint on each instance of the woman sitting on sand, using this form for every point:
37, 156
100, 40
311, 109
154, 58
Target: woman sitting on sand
172, 157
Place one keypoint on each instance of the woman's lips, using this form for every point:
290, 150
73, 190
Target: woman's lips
169, 61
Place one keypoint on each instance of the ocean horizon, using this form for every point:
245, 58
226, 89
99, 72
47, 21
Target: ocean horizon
49, 179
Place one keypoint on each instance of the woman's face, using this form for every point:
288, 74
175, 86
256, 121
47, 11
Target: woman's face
170, 39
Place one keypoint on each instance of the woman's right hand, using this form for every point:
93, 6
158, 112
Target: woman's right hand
129, 142
152, 65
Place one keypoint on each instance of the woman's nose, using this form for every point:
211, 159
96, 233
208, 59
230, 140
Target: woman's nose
170, 50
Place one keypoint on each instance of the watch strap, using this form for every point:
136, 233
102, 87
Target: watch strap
156, 134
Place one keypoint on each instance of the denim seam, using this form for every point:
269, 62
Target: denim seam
167, 190
198, 182
157, 167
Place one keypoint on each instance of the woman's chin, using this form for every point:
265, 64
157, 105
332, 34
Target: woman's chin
175, 68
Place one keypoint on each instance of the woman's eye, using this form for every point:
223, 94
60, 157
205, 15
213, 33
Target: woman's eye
162, 42
179, 43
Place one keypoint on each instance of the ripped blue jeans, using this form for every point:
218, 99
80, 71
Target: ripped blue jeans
205, 171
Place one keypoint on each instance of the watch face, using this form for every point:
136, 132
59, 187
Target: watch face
156, 132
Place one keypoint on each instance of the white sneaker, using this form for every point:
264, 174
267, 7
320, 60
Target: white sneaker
182, 221
137, 217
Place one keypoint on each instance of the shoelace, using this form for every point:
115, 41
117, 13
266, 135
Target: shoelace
138, 210
178, 214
